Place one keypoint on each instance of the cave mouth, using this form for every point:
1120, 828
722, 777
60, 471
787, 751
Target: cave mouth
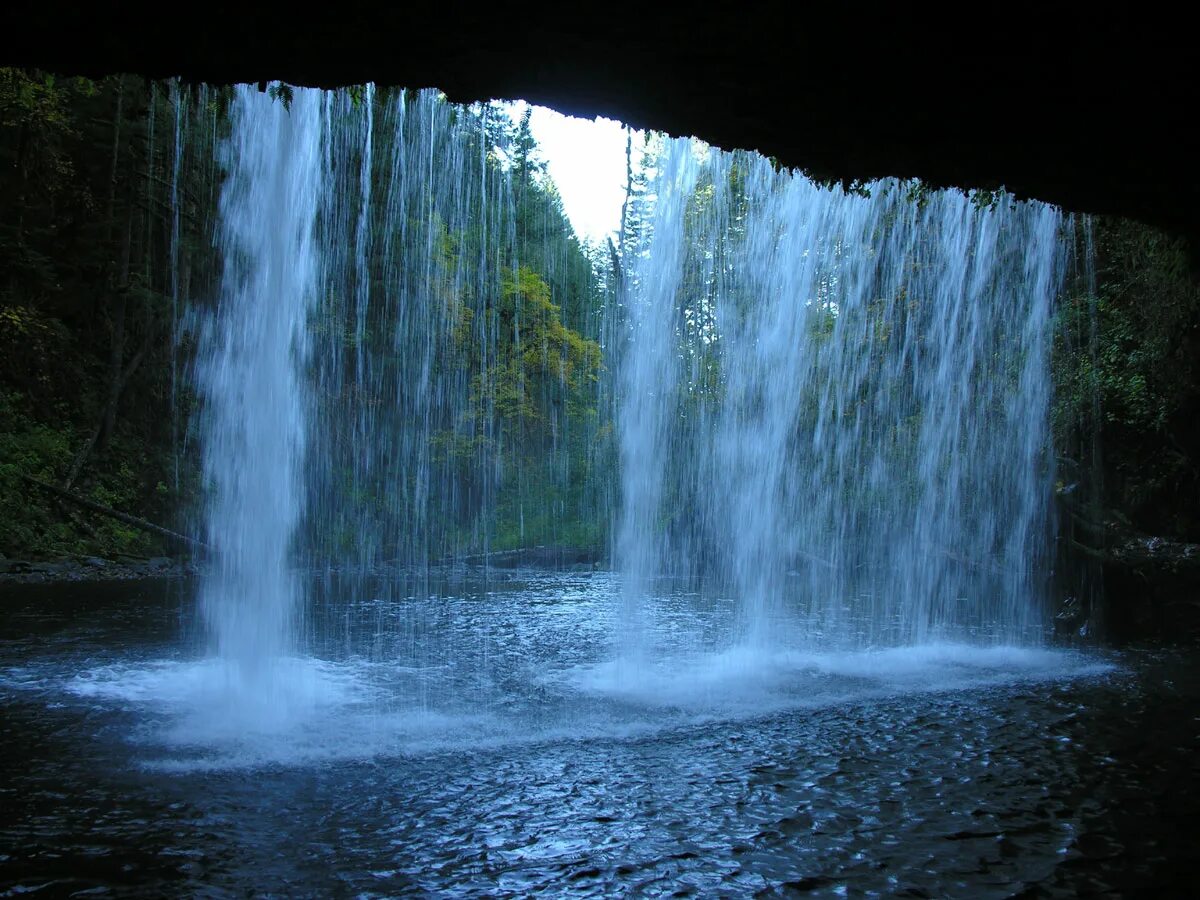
825, 659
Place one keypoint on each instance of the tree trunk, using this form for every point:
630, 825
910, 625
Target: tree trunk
116, 357
109, 413
116, 155
628, 189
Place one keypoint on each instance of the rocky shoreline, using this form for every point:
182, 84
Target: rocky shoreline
92, 568
70, 569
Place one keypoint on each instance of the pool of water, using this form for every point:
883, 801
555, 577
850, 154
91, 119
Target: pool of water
459, 735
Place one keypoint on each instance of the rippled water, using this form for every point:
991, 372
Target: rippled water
461, 736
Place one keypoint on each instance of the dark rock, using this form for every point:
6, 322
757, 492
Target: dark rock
1071, 620
811, 883
1156, 552
92, 568
1092, 113
65, 567
1152, 587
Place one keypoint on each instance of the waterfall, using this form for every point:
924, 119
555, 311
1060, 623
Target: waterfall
839, 407
649, 378
831, 405
249, 370
418, 240
390, 377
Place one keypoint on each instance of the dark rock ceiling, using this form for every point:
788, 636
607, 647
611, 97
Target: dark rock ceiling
1093, 110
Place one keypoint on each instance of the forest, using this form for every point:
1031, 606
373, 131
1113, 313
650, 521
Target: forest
110, 194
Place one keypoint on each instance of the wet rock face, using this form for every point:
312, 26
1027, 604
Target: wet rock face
1174, 557
1153, 594
1151, 590
1092, 115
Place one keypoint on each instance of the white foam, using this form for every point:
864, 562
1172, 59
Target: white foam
210, 714
229, 699
764, 678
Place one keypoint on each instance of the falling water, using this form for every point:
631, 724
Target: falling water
417, 243
650, 377
250, 367
366, 376
842, 399
832, 405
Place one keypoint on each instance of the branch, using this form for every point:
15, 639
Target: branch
92, 505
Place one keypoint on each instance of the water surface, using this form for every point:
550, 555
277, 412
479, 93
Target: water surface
456, 735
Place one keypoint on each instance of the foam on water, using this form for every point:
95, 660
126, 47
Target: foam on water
268, 701
202, 715
746, 679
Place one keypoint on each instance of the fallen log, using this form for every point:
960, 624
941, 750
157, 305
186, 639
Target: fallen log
539, 556
134, 521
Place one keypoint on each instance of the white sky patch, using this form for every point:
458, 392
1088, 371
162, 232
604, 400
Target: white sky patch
586, 159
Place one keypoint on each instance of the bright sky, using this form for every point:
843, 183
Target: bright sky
587, 162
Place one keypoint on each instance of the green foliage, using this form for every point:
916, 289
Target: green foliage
284, 94
34, 524
917, 192
985, 198
29, 448
546, 347
37, 108
541, 385
478, 333
1127, 368
30, 343
86, 225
